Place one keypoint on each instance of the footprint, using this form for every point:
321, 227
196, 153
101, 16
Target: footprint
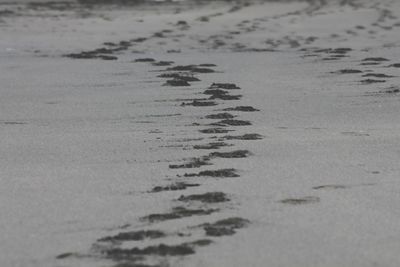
194, 163
221, 173
300, 201
242, 108
225, 226
252, 136
177, 213
133, 236
331, 186
173, 187
210, 197
355, 133
232, 154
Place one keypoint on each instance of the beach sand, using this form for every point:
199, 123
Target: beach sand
200, 134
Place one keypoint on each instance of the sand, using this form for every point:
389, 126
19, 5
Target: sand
193, 134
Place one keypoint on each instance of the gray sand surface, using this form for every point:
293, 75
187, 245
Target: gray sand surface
284, 152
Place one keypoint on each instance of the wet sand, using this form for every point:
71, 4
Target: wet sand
218, 134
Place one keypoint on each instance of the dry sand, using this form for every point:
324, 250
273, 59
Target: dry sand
189, 134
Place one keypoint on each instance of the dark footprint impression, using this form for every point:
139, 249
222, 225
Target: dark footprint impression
180, 76
225, 226
191, 68
176, 82
230, 122
226, 86
162, 63
242, 108
330, 186
173, 187
232, 154
300, 201
212, 145
221, 94
144, 60
177, 213
375, 59
119, 254
221, 173
200, 103
215, 131
347, 71
194, 163
253, 136
220, 116
133, 236
371, 81
210, 197
378, 75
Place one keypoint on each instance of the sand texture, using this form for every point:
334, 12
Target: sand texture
255, 133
